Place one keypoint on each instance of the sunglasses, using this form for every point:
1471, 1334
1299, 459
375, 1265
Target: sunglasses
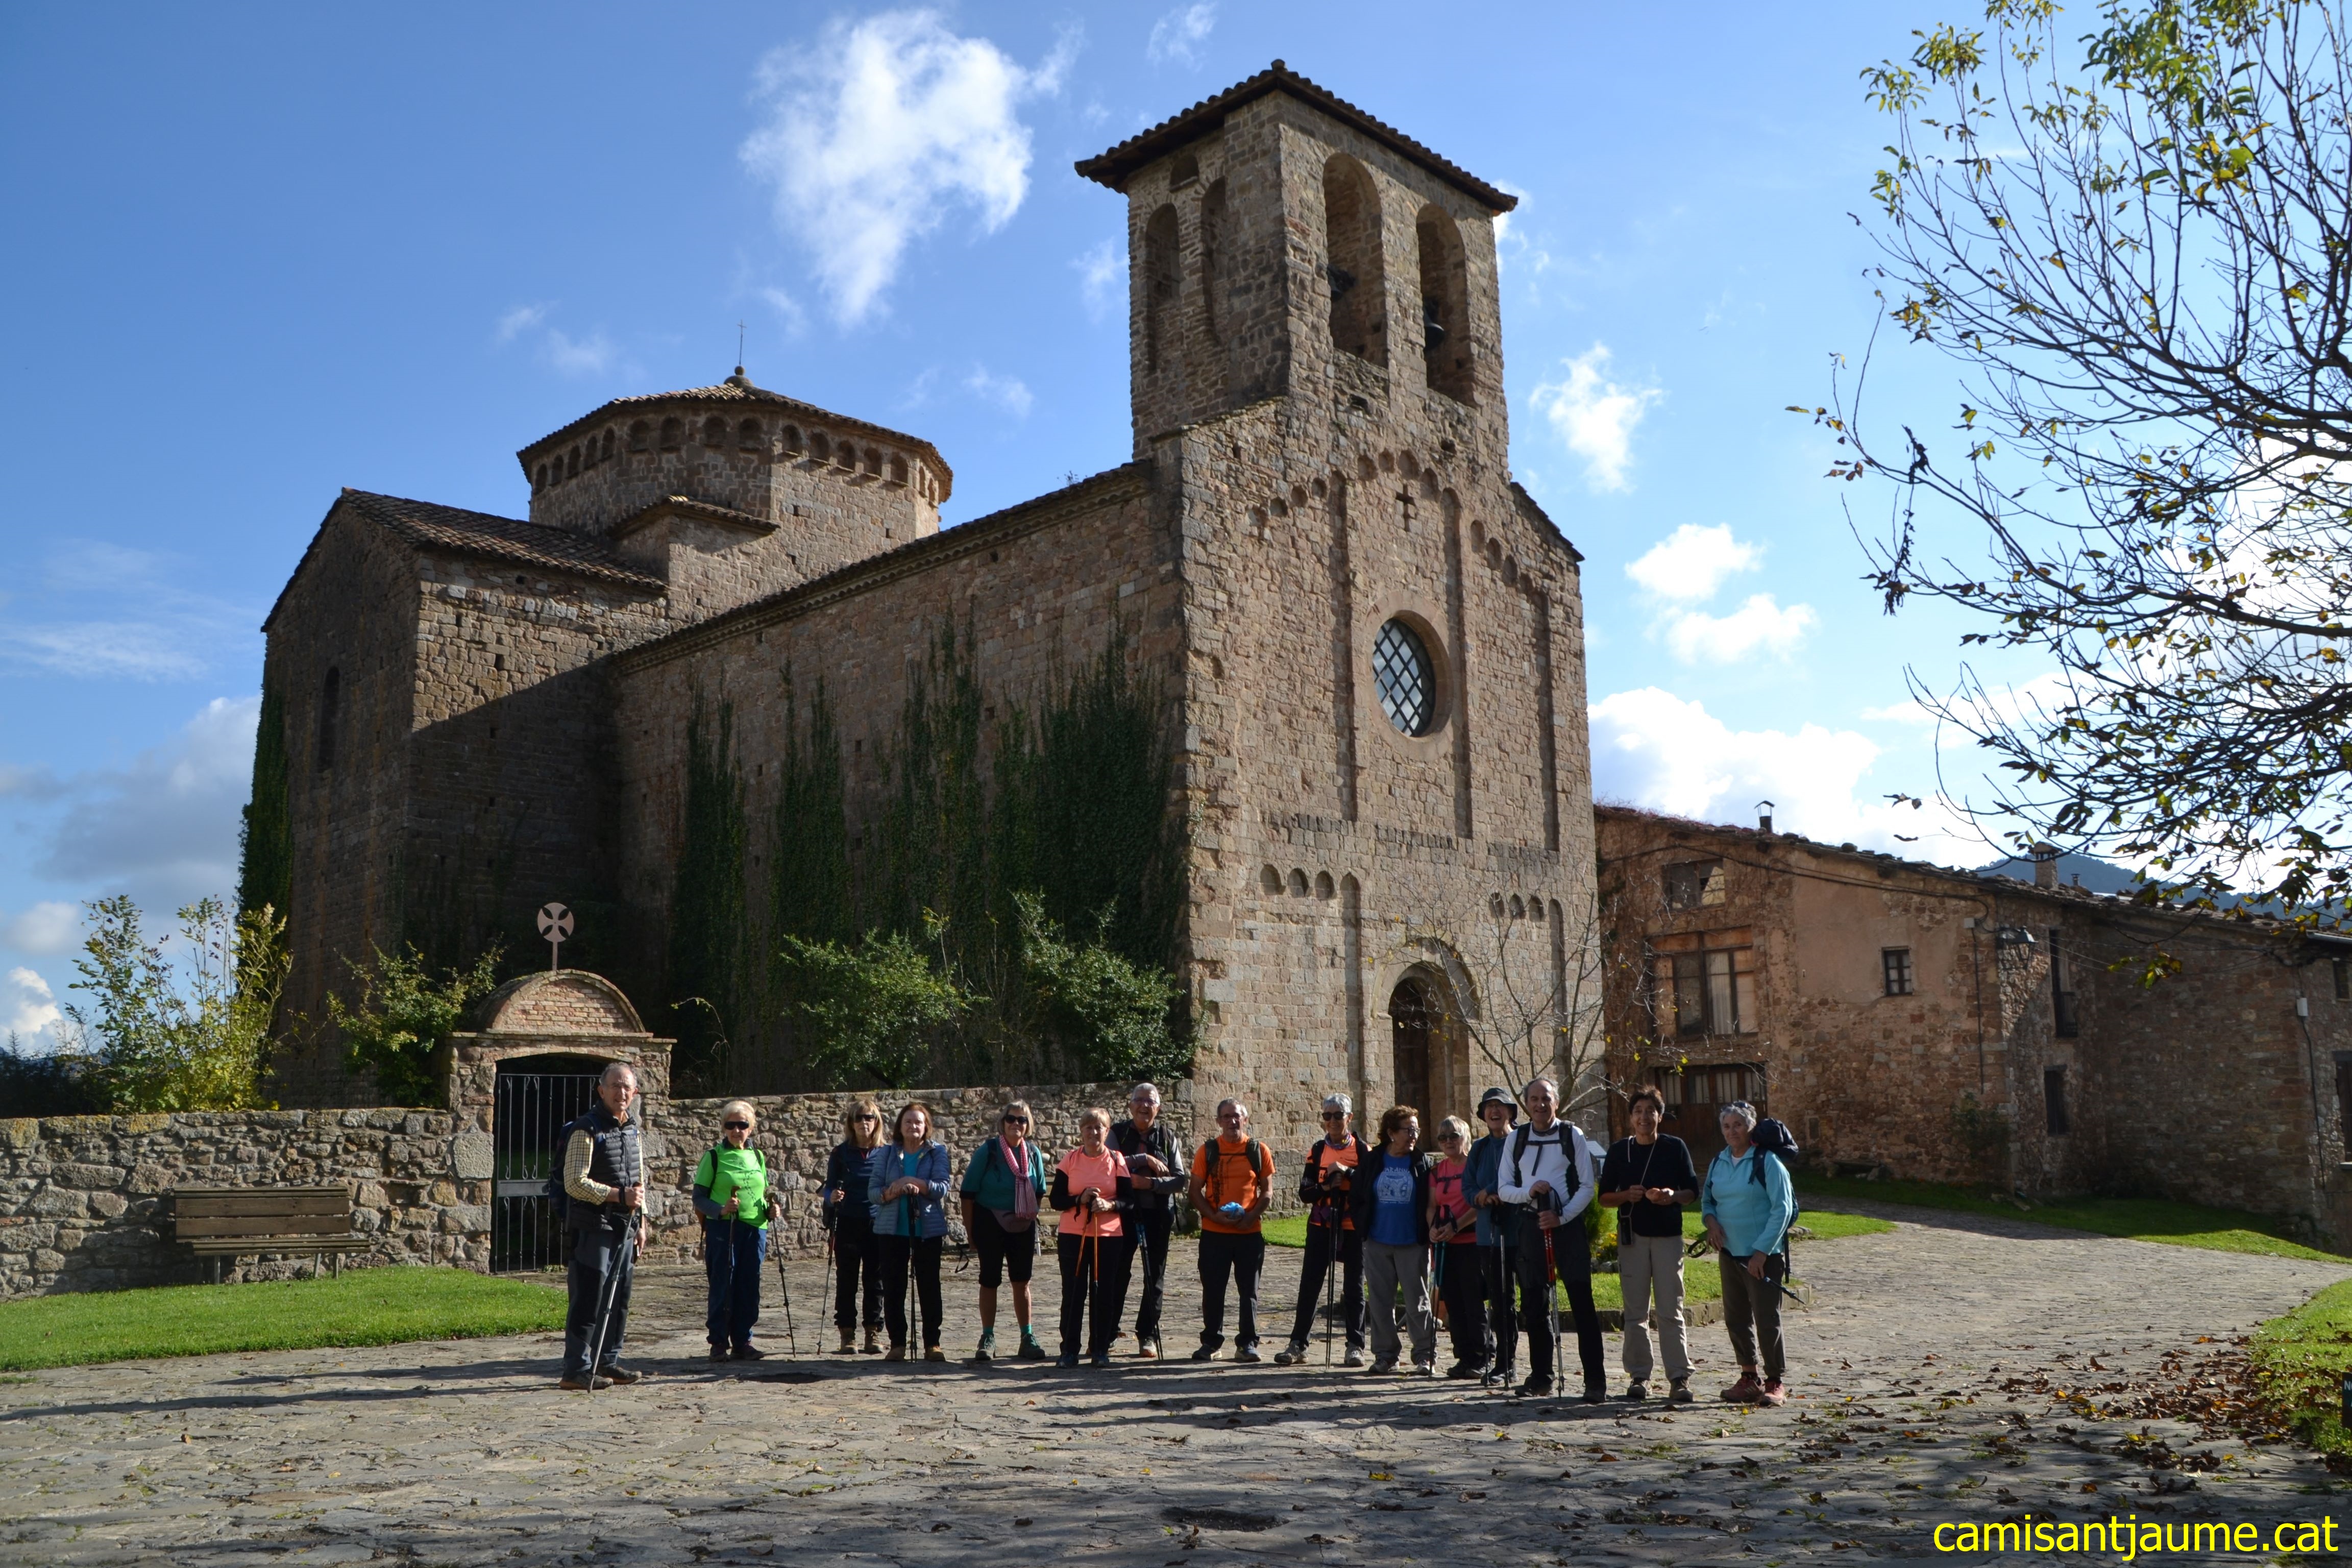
1335, 1116
868, 1116
735, 1126
1016, 1121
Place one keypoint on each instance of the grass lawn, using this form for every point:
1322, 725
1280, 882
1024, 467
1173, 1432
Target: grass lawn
1700, 1281
365, 1306
2139, 1220
2300, 1362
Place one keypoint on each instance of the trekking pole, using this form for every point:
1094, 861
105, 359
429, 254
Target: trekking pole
792, 1336
1331, 1282
605, 1308
1551, 1307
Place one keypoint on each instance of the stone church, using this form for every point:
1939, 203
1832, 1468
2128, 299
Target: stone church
1367, 638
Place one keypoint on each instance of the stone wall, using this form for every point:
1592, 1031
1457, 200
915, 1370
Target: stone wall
82, 1204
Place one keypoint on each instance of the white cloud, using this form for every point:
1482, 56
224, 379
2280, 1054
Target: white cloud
164, 827
1008, 393
788, 310
591, 355
1179, 35
1595, 416
138, 621
1760, 626
28, 1009
1512, 248
46, 930
1099, 270
1692, 562
879, 127
1654, 749
519, 320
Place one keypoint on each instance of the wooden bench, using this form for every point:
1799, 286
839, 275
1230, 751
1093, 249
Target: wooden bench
223, 1223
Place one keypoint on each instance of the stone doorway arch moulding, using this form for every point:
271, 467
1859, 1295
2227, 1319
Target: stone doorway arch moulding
1453, 996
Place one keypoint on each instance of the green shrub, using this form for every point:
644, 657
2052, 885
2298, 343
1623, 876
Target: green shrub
1114, 1010
867, 1011
162, 1037
402, 1018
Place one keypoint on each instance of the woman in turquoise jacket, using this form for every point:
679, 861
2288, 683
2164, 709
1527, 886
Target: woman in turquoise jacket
909, 1190
1748, 1205
1005, 1183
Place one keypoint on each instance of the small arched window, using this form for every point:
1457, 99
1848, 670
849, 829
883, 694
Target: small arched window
571, 463
749, 437
1214, 262
819, 448
1444, 304
607, 447
873, 463
640, 436
1160, 282
1297, 882
1269, 880
898, 469
330, 696
538, 479
793, 439
1352, 242
714, 431
673, 435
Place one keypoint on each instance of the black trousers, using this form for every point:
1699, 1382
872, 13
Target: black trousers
1319, 1248
1094, 1272
1462, 1285
596, 1253
1574, 1260
1147, 1242
1496, 1269
858, 1276
1223, 1255
924, 1252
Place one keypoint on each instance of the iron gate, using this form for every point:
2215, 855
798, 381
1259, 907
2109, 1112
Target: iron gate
530, 1109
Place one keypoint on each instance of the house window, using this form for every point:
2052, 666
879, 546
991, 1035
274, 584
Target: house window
1705, 984
2065, 1019
1695, 883
1894, 963
2344, 1102
2054, 1099
2343, 971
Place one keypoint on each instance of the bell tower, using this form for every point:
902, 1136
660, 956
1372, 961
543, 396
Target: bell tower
1283, 243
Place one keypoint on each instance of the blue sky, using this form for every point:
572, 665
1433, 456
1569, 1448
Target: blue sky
263, 253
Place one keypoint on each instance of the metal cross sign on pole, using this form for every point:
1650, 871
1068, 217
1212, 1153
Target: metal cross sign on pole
554, 924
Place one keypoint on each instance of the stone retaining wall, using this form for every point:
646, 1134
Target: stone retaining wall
82, 1197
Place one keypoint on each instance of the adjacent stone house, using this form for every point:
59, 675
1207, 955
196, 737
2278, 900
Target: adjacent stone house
1366, 638
1948, 1026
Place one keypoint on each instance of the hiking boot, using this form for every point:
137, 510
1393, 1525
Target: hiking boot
1537, 1383
1067, 1360
1772, 1393
896, 1353
1030, 1349
750, 1352
1497, 1376
1290, 1354
1746, 1390
1463, 1369
1636, 1391
1147, 1350
1101, 1359
848, 1343
1206, 1353
616, 1373
1382, 1367
1596, 1393
1679, 1392
933, 1353
1355, 1356
718, 1352
1247, 1354
873, 1346
1424, 1368
578, 1385
986, 1349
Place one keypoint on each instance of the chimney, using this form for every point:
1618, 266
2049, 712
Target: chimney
2045, 865
1763, 817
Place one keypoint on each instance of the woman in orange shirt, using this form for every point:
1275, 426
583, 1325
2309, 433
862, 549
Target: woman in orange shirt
1454, 1228
1091, 1192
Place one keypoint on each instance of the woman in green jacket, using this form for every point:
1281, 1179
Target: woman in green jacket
1003, 1183
731, 1193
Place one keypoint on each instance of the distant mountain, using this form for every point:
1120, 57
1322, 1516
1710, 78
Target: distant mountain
2073, 870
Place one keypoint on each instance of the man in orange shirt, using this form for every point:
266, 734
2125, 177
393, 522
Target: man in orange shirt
1331, 1239
1232, 1177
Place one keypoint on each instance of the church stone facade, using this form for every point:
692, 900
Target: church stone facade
1369, 639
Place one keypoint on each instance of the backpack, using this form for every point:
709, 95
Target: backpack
1774, 1138
559, 1201
1252, 1150
1568, 1140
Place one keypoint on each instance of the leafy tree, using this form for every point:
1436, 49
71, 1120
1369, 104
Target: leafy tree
161, 1036
2139, 253
1117, 1010
402, 1018
867, 1011
266, 841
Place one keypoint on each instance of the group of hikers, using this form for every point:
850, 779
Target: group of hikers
1481, 1235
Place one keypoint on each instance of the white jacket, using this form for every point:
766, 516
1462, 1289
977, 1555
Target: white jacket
1548, 1159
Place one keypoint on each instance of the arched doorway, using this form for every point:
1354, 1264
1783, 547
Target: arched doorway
1426, 1056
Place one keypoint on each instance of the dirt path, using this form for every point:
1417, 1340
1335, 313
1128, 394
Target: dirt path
1908, 1412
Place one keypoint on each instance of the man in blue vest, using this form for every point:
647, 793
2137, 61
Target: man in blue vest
604, 1188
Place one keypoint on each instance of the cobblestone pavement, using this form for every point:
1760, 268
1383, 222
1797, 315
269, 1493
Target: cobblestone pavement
464, 1453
